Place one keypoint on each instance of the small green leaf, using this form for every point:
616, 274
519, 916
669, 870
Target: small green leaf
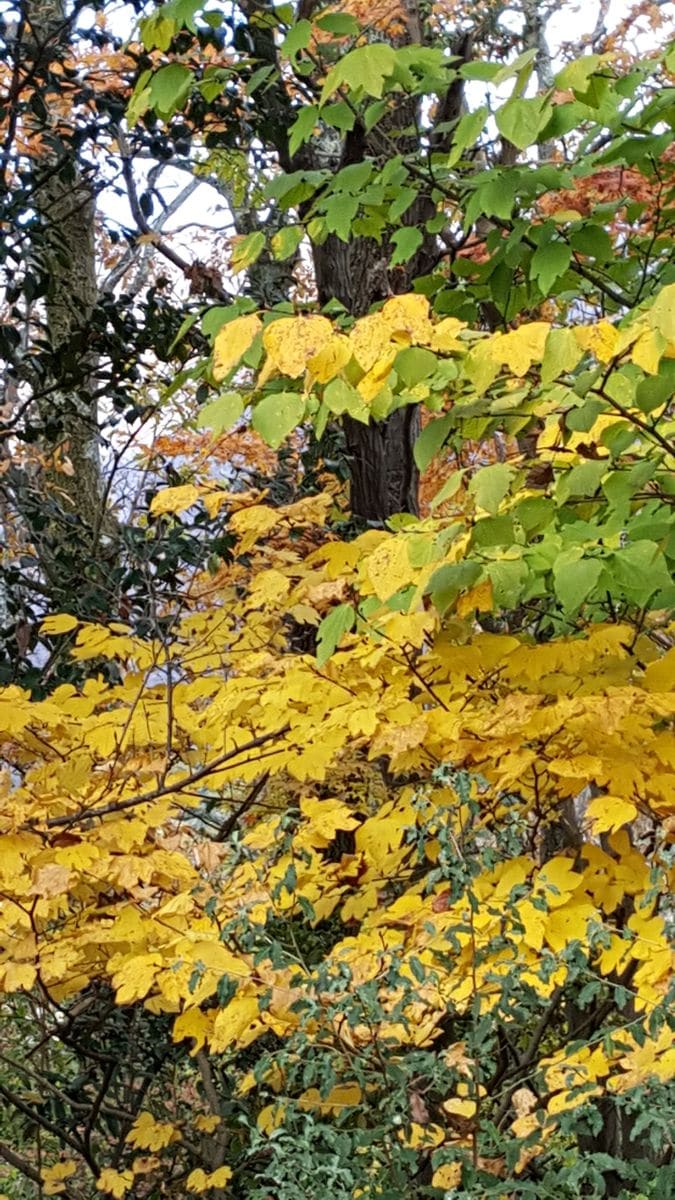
286, 241
342, 24
490, 485
363, 70
520, 121
169, 88
298, 38
549, 262
221, 413
574, 581
338, 622
302, 128
577, 73
339, 115
451, 485
414, 364
275, 416
430, 441
246, 250
562, 353
406, 242
339, 397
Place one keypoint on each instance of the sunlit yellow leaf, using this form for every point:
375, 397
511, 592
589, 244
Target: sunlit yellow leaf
291, 342
114, 1183
60, 623
231, 343
53, 1178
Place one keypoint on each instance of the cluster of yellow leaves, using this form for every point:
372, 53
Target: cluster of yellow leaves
107, 867
311, 349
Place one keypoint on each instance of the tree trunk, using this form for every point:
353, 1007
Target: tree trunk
71, 481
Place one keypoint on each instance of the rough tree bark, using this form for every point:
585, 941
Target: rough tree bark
68, 409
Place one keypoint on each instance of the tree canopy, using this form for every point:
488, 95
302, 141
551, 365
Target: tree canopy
336, 602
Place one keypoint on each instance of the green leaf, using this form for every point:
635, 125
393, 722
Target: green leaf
247, 250
221, 413
401, 204
298, 38
451, 485
286, 241
339, 397
430, 441
338, 622
490, 485
562, 353
576, 74
583, 480
302, 128
640, 570
449, 580
342, 24
339, 115
574, 581
469, 128
274, 417
549, 262
340, 213
413, 364
362, 70
522, 120
406, 242
169, 88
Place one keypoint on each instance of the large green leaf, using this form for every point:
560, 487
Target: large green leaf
274, 417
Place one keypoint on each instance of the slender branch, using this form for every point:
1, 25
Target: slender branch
159, 793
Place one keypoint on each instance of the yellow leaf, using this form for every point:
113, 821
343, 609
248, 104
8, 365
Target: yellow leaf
445, 335
237, 1024
447, 1176
330, 359
271, 1117
59, 623
175, 499
457, 1107
648, 351
477, 599
559, 879
115, 1183
422, 1137
521, 347
19, 977
610, 813
199, 1181
51, 880
206, 1123
600, 339
343, 1095
148, 1134
252, 523
369, 339
409, 314
135, 977
660, 675
232, 342
53, 1178
292, 341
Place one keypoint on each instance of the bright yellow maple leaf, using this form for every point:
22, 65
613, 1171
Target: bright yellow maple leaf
146, 1133
114, 1183
54, 1178
199, 1181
